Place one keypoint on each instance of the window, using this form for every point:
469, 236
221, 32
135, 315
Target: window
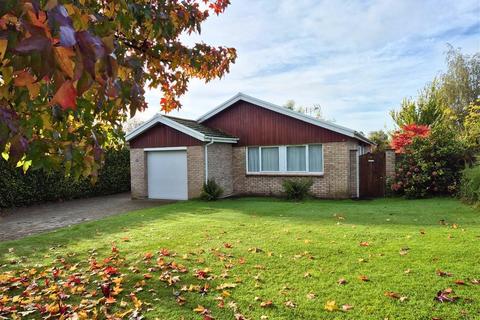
270, 159
296, 158
253, 160
315, 158
286, 159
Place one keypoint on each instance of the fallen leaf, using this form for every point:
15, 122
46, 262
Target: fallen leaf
290, 304
392, 294
364, 244
266, 304
342, 281
445, 296
311, 296
443, 273
347, 307
331, 306
110, 300
363, 278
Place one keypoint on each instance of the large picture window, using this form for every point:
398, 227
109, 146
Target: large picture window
302, 159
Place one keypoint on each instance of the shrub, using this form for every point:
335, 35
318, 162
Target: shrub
430, 166
404, 137
211, 190
37, 186
297, 189
470, 185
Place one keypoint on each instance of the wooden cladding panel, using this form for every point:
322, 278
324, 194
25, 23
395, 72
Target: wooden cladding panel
255, 125
163, 136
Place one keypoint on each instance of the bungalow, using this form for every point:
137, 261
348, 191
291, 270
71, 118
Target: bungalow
248, 146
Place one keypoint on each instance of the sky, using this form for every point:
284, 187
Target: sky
356, 59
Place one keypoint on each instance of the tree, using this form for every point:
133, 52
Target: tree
313, 111
427, 109
131, 124
72, 71
405, 136
380, 138
472, 126
460, 84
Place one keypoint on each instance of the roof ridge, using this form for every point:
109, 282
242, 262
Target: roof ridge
179, 118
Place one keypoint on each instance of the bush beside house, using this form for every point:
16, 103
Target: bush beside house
36, 186
297, 189
430, 164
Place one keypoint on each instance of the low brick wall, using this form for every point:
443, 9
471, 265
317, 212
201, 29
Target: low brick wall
335, 183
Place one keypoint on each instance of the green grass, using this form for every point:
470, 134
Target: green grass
321, 238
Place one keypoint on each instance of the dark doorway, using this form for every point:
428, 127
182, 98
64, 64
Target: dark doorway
372, 175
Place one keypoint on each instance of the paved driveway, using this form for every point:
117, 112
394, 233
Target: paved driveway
20, 222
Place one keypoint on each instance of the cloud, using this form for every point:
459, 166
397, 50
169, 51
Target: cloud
357, 59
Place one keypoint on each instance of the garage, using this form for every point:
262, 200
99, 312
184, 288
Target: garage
167, 174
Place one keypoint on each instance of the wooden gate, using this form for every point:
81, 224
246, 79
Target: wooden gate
372, 175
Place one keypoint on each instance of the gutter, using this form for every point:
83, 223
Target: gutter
206, 158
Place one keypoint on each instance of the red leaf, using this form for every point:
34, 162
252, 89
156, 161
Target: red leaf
66, 96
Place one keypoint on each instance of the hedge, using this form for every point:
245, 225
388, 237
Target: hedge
37, 186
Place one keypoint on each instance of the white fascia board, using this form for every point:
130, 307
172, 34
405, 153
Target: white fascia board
166, 149
270, 106
170, 123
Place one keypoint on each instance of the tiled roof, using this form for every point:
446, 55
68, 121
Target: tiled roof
192, 124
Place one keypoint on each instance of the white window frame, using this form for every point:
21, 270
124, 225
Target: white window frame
282, 159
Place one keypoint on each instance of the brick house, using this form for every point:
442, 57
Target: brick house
248, 146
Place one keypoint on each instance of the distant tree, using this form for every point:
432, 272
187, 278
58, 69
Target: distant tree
427, 109
472, 126
460, 84
290, 104
313, 111
132, 123
381, 139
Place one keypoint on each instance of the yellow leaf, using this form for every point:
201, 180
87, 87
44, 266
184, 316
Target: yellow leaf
199, 309
63, 55
331, 306
26, 165
3, 48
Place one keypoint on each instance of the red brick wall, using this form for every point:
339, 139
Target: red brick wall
335, 183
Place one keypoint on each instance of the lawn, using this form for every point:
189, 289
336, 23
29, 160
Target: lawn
262, 259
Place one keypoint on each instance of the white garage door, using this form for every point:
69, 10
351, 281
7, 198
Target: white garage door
167, 175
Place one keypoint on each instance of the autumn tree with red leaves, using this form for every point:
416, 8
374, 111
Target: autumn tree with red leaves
72, 71
404, 137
